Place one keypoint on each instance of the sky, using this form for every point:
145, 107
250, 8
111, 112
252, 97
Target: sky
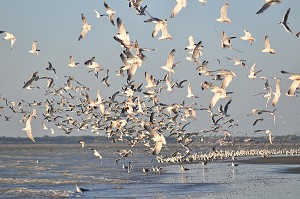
56, 26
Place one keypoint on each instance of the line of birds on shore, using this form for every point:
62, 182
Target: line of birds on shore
135, 114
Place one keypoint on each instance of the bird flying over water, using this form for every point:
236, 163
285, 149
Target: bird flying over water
159, 139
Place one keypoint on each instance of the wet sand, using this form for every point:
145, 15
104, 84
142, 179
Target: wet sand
284, 160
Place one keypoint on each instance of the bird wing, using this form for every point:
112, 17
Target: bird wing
264, 7
267, 43
170, 59
223, 10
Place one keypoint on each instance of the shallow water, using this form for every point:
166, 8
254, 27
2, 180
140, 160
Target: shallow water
61, 167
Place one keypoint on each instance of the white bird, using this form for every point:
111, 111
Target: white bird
28, 128
196, 53
80, 189
82, 143
150, 81
219, 93
10, 37
248, 37
190, 94
160, 25
159, 139
203, 2
170, 62
223, 12
169, 85
180, 4
97, 14
277, 92
284, 23
111, 13
96, 153
268, 132
295, 77
86, 27
267, 4
34, 49
225, 41
268, 48
72, 62
252, 74
191, 45
237, 61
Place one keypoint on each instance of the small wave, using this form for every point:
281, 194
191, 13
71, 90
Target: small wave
25, 192
36, 181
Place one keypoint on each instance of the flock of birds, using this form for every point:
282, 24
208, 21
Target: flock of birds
135, 114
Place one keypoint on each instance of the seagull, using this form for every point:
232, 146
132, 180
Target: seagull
295, 77
267, 5
190, 94
10, 37
86, 27
252, 74
28, 128
184, 168
237, 61
72, 62
196, 53
161, 25
170, 62
298, 34
268, 132
159, 139
180, 4
277, 92
284, 23
50, 67
203, 2
34, 49
248, 37
96, 153
191, 45
110, 13
226, 41
219, 93
97, 14
82, 143
223, 12
80, 189
268, 48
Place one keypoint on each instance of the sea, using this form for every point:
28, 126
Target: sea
54, 170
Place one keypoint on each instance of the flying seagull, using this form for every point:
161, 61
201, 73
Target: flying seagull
248, 37
295, 77
159, 139
50, 67
267, 5
170, 62
180, 4
72, 62
110, 13
34, 49
10, 37
86, 27
284, 23
268, 48
223, 12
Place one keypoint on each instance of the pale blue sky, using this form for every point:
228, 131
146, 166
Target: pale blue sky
56, 26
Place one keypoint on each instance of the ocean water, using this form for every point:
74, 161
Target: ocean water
52, 171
